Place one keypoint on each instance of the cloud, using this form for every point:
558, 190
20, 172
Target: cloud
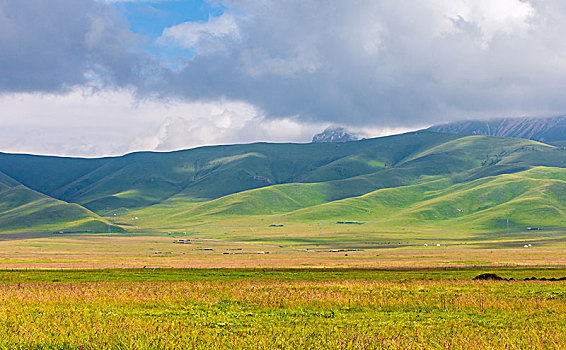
380, 62
53, 45
206, 37
91, 122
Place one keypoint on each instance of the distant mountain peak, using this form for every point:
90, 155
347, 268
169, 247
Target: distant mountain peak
550, 130
334, 134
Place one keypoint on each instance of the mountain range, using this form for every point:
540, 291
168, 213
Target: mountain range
420, 180
549, 130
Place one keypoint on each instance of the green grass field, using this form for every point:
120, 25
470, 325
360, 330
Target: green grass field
270, 308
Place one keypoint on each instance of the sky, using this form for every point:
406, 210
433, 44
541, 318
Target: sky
106, 77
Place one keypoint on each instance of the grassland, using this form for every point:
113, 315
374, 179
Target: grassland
338, 249
369, 244
266, 309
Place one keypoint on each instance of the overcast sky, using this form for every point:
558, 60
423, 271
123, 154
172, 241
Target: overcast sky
94, 77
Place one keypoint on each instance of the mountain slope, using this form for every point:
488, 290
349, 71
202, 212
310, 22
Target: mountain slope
25, 210
464, 157
549, 130
146, 178
7, 182
410, 179
533, 198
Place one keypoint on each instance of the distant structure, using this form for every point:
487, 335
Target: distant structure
334, 134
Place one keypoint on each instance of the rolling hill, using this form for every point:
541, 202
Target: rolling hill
424, 180
145, 178
23, 209
532, 198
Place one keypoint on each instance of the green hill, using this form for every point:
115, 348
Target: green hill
422, 180
145, 178
25, 210
533, 198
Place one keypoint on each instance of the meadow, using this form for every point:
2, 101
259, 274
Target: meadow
283, 247
280, 308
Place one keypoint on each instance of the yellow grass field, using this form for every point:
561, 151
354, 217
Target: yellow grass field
280, 309
103, 251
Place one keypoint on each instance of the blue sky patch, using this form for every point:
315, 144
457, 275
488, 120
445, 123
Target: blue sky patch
150, 18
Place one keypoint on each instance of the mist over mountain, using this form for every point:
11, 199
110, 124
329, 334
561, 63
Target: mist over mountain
549, 130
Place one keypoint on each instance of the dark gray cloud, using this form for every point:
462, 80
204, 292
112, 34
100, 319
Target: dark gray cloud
51, 45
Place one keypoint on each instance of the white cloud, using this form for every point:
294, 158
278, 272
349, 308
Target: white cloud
491, 18
84, 122
205, 37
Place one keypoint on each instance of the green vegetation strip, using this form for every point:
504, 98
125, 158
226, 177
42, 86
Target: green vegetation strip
275, 308
264, 274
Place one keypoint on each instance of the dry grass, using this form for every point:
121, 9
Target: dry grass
98, 251
250, 313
